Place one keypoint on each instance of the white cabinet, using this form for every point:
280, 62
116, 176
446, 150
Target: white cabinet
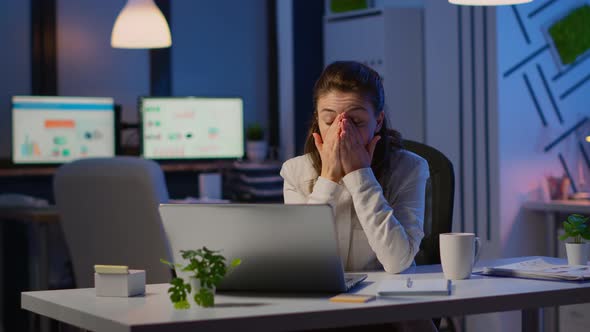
391, 42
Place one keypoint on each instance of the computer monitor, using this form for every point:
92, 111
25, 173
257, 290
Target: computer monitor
177, 128
54, 130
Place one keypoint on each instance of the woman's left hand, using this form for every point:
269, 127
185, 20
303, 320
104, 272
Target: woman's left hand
354, 154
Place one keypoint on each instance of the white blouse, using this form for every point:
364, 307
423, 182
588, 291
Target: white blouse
376, 228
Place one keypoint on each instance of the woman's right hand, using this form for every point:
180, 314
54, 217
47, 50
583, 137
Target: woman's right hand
329, 149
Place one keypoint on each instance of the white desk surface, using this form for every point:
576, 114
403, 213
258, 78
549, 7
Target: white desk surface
264, 312
565, 206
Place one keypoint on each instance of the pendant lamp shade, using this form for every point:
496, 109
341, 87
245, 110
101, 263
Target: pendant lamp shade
141, 24
488, 2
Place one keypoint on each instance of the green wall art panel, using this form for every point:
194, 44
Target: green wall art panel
342, 6
571, 34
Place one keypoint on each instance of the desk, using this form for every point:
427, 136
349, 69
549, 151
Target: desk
551, 209
37, 181
166, 167
267, 312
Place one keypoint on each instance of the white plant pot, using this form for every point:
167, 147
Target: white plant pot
196, 286
256, 150
577, 253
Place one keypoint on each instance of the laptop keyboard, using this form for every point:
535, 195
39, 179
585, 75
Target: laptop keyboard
351, 280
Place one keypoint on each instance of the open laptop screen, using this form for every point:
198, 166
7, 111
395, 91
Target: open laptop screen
282, 247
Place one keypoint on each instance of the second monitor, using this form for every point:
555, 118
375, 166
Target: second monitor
191, 128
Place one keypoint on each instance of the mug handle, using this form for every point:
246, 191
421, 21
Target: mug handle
477, 249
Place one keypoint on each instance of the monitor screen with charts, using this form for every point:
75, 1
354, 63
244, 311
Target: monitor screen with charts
191, 128
54, 130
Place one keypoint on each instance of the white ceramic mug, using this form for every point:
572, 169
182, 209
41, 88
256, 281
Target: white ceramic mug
458, 253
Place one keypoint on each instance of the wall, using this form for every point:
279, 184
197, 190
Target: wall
535, 108
15, 32
392, 44
462, 122
209, 56
285, 70
460, 109
220, 49
88, 66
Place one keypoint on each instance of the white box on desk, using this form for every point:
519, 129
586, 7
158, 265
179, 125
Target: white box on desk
120, 285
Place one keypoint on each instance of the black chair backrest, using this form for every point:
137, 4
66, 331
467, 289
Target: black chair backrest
440, 193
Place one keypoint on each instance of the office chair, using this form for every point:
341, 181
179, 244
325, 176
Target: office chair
438, 214
109, 214
440, 192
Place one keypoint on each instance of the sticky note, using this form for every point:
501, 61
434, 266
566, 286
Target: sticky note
111, 269
352, 298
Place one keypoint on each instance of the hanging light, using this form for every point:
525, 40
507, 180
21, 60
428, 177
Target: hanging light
487, 2
141, 24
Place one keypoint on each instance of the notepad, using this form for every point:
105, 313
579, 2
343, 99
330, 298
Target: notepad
111, 269
409, 286
352, 298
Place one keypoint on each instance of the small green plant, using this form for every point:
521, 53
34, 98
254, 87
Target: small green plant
576, 227
207, 266
254, 132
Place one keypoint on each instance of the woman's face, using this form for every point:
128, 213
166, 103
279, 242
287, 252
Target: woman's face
359, 111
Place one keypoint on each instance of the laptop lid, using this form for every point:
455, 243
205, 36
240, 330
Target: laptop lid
282, 247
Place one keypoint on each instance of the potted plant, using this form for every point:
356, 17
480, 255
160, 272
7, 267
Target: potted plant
208, 269
576, 228
256, 146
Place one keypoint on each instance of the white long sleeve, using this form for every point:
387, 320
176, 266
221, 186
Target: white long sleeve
324, 192
394, 230
391, 218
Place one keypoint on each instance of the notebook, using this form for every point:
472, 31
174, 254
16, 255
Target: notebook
409, 286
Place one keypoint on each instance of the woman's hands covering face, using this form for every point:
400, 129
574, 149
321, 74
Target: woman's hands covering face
354, 153
343, 149
329, 149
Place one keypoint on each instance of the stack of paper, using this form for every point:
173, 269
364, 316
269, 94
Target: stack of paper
540, 269
409, 286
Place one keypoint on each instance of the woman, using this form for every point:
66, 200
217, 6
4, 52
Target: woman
355, 164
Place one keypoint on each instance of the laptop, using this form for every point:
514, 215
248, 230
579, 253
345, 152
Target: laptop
286, 248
